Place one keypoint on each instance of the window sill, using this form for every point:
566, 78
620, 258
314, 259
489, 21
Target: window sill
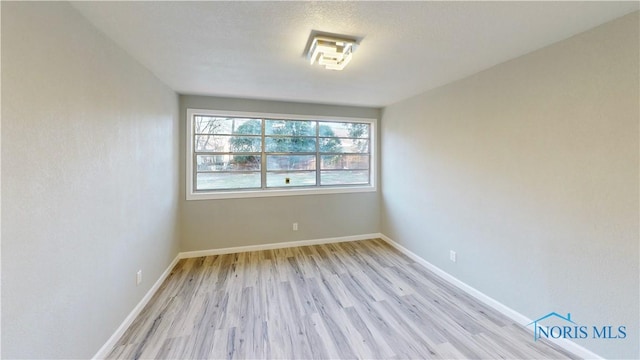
279, 192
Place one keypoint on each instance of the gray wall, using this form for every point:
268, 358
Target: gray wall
89, 182
212, 224
529, 170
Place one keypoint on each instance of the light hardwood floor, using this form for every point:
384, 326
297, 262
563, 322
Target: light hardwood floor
359, 299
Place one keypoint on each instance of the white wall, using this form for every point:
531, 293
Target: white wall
213, 224
529, 170
89, 182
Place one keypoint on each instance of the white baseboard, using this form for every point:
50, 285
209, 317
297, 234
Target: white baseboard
108, 346
280, 245
491, 302
496, 305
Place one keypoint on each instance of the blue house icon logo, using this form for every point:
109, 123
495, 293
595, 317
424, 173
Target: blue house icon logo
547, 332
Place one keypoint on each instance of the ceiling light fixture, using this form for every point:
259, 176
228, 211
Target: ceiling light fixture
331, 52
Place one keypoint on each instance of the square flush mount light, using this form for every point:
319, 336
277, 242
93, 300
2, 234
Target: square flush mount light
334, 53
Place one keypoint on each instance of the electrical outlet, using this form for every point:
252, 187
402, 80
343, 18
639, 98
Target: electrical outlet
453, 256
138, 277
295, 226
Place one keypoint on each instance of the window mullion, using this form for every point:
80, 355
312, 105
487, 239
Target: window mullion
194, 157
370, 151
318, 179
263, 158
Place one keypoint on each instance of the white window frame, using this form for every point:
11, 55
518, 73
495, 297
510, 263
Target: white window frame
231, 194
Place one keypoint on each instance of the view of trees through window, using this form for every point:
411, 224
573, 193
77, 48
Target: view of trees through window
252, 153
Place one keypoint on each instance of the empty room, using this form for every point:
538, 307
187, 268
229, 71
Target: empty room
320, 180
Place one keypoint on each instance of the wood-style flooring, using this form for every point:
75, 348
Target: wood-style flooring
360, 299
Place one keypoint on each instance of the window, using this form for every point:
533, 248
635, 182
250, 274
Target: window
234, 154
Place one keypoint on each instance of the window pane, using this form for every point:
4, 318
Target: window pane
344, 177
345, 145
291, 162
227, 125
350, 130
208, 124
228, 162
331, 145
245, 144
210, 143
346, 162
279, 179
290, 127
290, 144
219, 181
227, 143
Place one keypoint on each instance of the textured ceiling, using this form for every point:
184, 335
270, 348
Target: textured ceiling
255, 49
